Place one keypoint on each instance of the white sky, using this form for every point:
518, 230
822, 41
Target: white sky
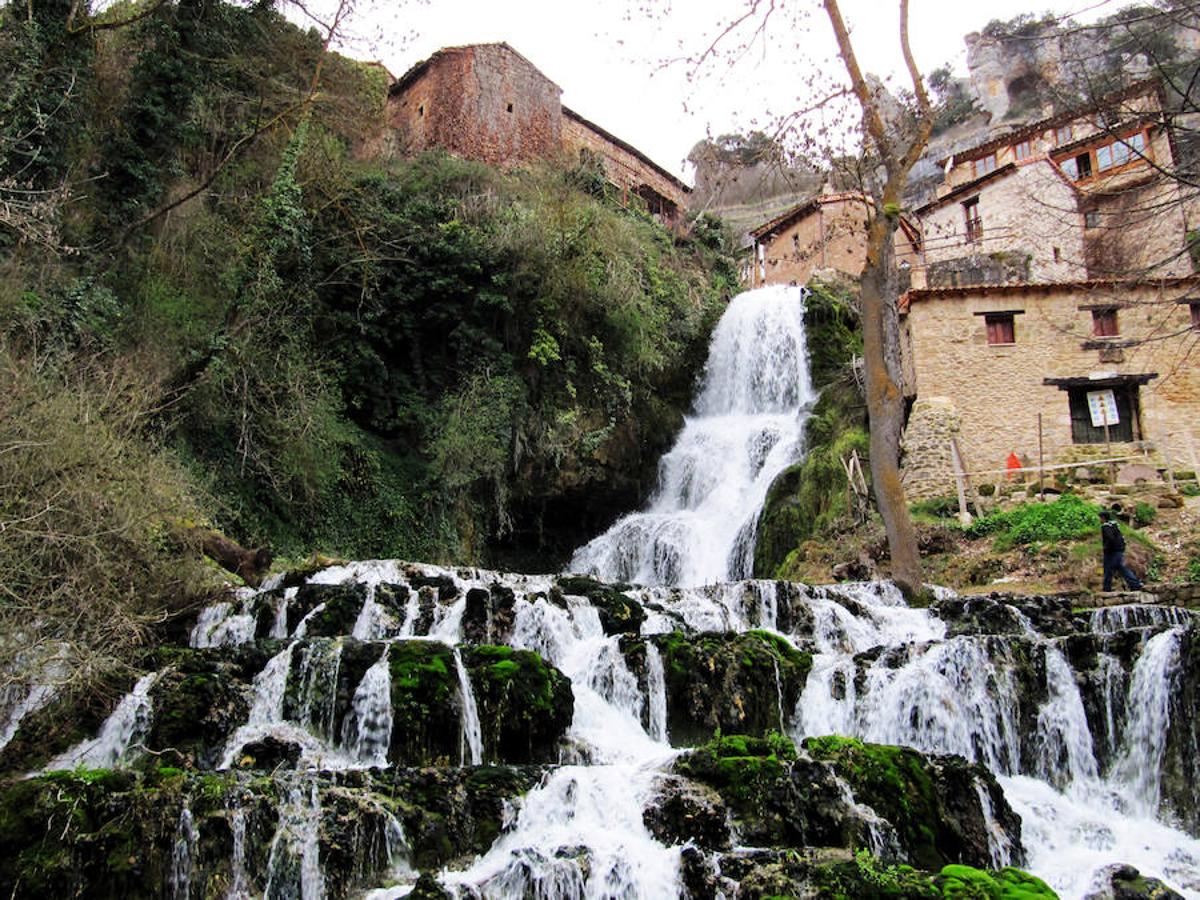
607, 55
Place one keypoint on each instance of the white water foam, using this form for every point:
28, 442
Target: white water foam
118, 736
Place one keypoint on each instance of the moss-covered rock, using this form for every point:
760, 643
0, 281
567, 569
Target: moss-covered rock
113, 834
930, 800
1122, 882
525, 705
618, 613
732, 683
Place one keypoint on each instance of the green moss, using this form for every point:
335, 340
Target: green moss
967, 883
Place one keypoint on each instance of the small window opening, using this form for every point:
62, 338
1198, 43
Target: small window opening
1083, 166
1057, 254
974, 223
1063, 135
510, 107
1091, 218
1023, 150
1000, 328
420, 110
1104, 323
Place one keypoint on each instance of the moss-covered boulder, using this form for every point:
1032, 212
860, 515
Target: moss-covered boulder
525, 705
731, 683
932, 801
618, 613
1122, 882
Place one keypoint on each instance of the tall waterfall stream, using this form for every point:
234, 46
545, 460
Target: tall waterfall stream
1077, 715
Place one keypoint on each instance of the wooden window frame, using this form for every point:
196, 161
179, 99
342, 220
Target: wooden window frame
984, 165
1025, 145
1106, 159
973, 222
1091, 219
1104, 322
1063, 135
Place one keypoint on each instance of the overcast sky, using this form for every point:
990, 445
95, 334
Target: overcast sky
608, 55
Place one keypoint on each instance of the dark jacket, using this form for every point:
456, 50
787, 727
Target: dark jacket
1114, 541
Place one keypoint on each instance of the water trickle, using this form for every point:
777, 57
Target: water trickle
1111, 619
656, 694
294, 864
183, 855
239, 887
119, 735
279, 627
367, 729
219, 626
1000, 844
747, 427
266, 710
302, 625
470, 750
18, 701
320, 662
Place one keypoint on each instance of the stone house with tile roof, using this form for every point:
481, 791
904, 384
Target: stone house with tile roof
488, 102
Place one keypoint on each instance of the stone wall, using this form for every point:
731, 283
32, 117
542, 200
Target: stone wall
484, 102
1028, 212
623, 166
830, 235
999, 390
927, 461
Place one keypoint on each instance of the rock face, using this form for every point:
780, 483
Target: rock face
470, 733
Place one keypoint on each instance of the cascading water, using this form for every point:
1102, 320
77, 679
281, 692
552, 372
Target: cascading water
1084, 772
747, 427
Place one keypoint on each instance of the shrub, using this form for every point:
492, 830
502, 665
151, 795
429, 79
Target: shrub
1144, 514
1066, 518
938, 507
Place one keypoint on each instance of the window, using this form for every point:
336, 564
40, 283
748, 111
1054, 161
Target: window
510, 107
985, 165
1091, 218
1104, 322
420, 110
973, 222
1000, 328
1083, 166
1194, 306
1082, 429
1120, 152
1062, 135
1023, 150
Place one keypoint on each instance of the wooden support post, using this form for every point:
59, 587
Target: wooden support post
1041, 460
960, 482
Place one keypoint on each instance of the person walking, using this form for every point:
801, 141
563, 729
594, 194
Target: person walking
1114, 553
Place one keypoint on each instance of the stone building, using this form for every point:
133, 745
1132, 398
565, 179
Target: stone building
1083, 195
488, 102
828, 231
985, 361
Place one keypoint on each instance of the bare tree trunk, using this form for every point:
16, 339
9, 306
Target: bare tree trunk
885, 403
881, 330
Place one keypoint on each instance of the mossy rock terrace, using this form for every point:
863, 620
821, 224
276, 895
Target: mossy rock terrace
104, 833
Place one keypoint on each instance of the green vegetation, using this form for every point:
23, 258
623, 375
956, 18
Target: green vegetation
1067, 518
222, 305
812, 497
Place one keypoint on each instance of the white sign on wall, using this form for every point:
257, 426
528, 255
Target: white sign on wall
1103, 407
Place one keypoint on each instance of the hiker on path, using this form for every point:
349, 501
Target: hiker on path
1114, 553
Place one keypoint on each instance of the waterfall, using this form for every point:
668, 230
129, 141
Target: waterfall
239, 888
656, 693
580, 834
367, 729
1140, 763
747, 428
119, 734
1065, 752
320, 662
279, 627
182, 855
267, 708
471, 739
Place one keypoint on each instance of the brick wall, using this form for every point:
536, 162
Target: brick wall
484, 102
998, 390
